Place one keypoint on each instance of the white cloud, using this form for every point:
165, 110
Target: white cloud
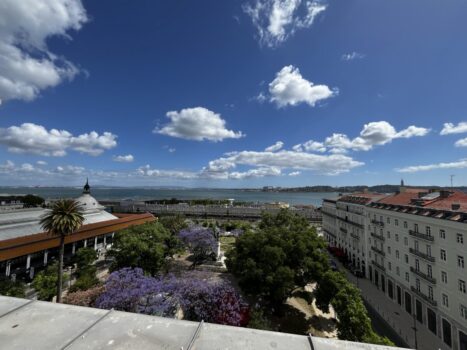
310, 146
124, 159
35, 139
41, 162
295, 173
147, 171
255, 173
277, 20
461, 142
26, 64
70, 170
322, 164
372, 134
450, 128
352, 56
290, 88
275, 147
197, 124
461, 164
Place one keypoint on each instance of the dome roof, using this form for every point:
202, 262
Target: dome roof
88, 202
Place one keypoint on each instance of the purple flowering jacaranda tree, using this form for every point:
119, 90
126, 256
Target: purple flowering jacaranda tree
201, 242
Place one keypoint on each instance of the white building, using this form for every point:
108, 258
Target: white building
415, 243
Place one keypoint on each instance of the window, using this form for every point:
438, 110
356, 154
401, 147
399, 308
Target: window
397, 254
444, 276
406, 257
416, 245
442, 234
443, 255
405, 224
396, 222
445, 300
407, 278
406, 241
398, 271
429, 271
389, 250
462, 286
381, 219
428, 250
460, 261
415, 227
389, 234
464, 312
460, 238
389, 266
430, 292
388, 220
417, 284
428, 231
397, 237
417, 265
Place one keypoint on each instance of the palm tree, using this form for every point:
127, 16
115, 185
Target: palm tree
63, 219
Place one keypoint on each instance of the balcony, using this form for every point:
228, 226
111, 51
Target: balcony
423, 296
423, 275
380, 237
351, 222
381, 267
377, 223
422, 255
354, 235
379, 251
343, 230
421, 235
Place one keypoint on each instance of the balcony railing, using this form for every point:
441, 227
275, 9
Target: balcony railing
381, 237
354, 235
379, 251
379, 266
421, 235
329, 233
377, 222
351, 222
423, 275
423, 296
422, 255
343, 230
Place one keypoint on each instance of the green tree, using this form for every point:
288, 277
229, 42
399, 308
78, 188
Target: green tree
64, 218
284, 253
146, 246
12, 289
174, 224
259, 321
45, 282
86, 270
31, 200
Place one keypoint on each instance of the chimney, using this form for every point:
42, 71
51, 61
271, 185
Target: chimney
402, 186
455, 206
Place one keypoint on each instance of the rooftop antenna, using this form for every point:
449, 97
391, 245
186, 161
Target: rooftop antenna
452, 180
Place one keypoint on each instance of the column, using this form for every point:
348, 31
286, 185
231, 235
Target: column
73, 248
105, 241
28, 261
8, 269
95, 243
46, 255
85, 243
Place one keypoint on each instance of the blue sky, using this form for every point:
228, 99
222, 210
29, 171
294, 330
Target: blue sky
194, 93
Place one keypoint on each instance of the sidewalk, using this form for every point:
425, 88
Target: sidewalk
394, 315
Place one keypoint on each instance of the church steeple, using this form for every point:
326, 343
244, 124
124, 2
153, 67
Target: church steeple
87, 188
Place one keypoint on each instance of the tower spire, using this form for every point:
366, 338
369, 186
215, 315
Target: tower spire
87, 188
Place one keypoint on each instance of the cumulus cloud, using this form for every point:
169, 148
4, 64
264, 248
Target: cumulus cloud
255, 173
372, 134
310, 146
124, 159
323, 164
295, 173
197, 124
461, 142
461, 164
289, 88
41, 162
26, 64
275, 147
147, 171
36, 139
277, 20
352, 56
450, 128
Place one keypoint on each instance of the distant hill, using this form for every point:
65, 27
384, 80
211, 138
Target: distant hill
377, 188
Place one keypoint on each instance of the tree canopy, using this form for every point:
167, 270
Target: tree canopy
146, 246
284, 253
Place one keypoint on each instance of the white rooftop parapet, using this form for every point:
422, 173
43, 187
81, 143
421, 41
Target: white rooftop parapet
27, 324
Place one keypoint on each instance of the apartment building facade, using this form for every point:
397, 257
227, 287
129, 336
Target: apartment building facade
415, 248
